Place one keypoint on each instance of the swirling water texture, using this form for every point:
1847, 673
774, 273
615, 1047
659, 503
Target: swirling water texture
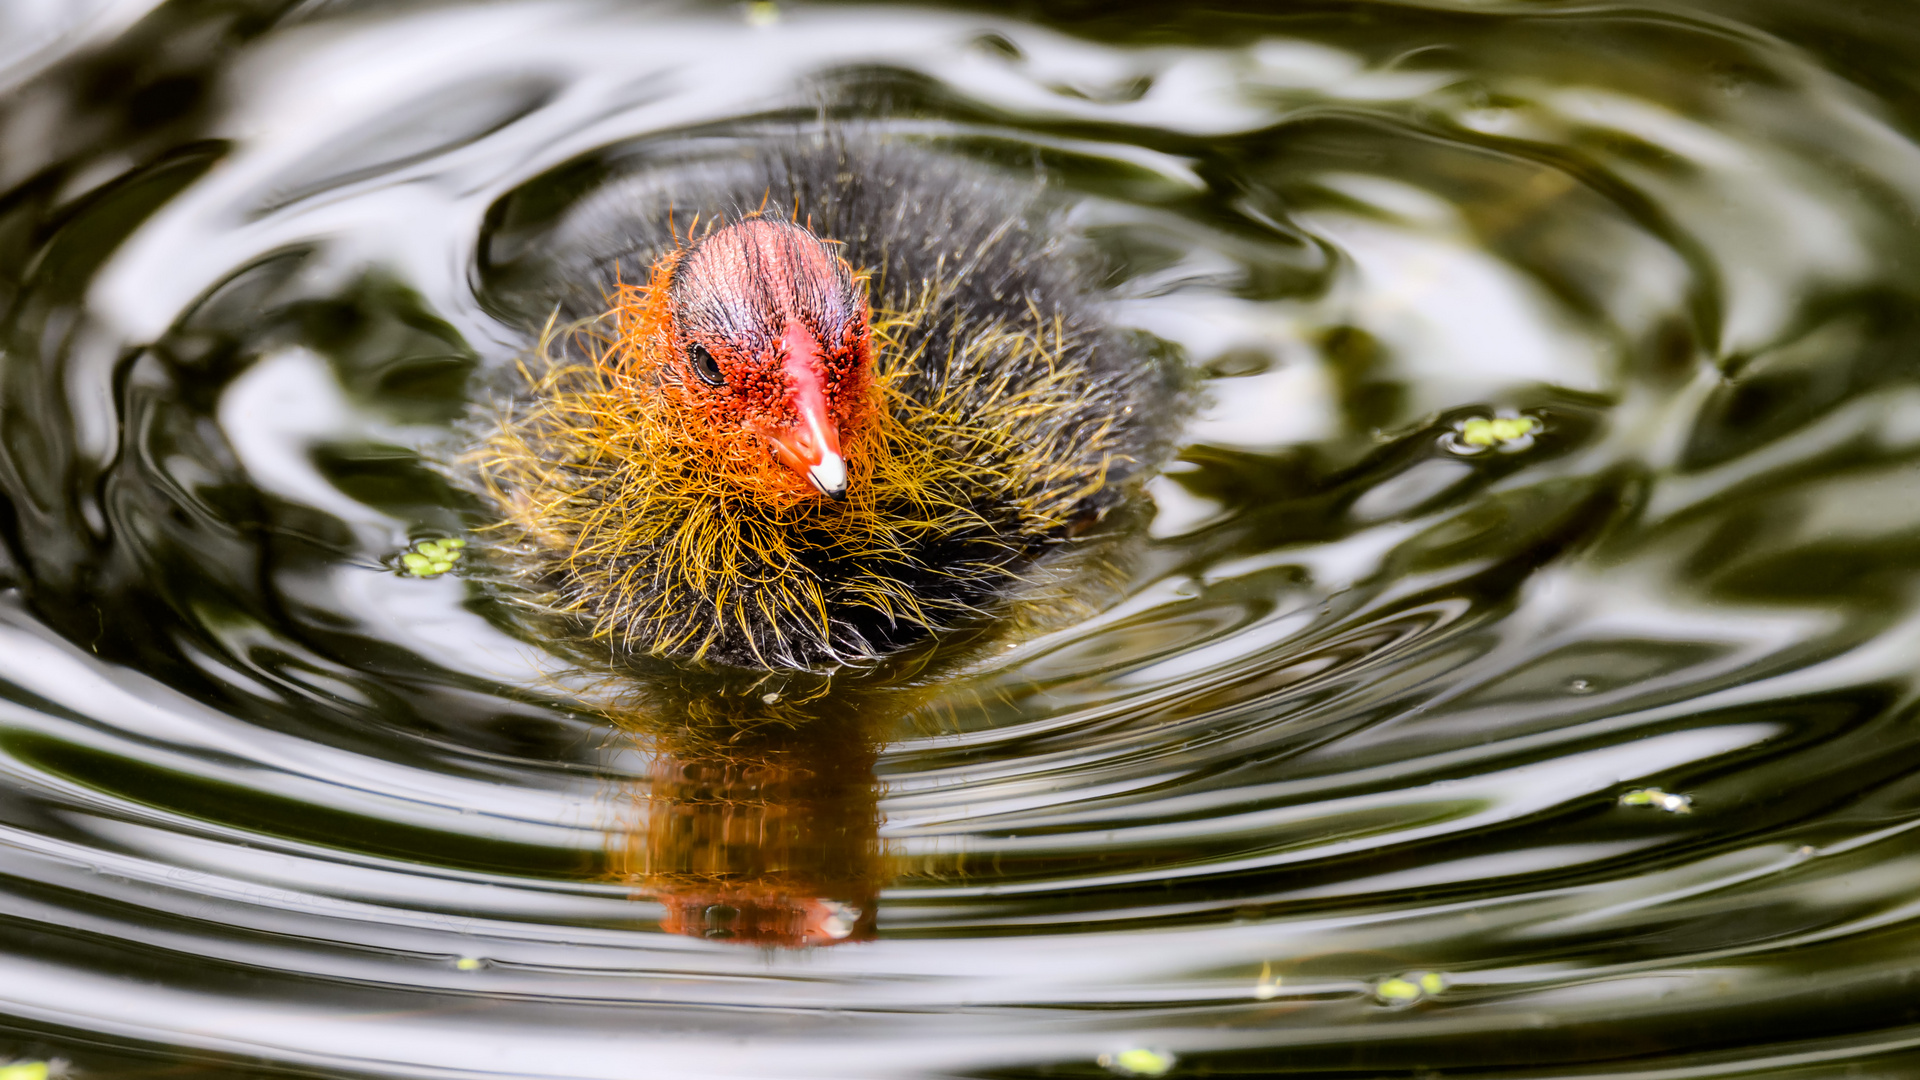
1368, 703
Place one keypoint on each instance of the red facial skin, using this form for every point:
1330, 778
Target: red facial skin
787, 329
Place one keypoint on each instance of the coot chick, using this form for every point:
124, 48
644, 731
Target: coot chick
812, 402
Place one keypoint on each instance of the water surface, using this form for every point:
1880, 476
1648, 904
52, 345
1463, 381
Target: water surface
1588, 752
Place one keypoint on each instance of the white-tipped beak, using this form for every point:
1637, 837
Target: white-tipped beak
830, 476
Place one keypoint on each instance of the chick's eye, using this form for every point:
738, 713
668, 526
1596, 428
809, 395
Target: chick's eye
705, 366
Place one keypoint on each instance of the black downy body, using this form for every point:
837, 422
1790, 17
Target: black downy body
989, 249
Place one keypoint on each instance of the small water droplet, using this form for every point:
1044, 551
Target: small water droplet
1268, 986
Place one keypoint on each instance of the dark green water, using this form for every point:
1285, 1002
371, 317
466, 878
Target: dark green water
1591, 753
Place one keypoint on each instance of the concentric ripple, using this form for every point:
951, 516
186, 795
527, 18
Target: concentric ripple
1513, 677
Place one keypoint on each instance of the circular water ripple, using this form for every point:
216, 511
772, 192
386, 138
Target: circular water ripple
1513, 677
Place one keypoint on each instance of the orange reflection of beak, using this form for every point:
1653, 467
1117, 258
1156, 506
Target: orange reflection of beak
762, 916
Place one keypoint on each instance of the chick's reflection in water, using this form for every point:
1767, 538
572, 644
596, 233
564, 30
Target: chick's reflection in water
764, 835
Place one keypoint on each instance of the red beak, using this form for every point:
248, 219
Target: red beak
810, 447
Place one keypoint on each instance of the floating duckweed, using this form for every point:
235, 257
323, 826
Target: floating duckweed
1672, 804
1508, 434
1397, 991
431, 558
24, 1070
1139, 1061
1410, 987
